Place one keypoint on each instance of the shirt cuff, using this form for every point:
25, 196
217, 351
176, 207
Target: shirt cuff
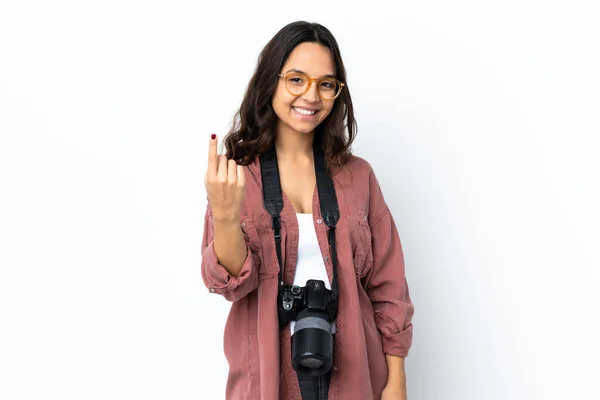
216, 277
399, 343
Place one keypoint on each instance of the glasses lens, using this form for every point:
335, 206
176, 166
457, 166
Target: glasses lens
329, 88
296, 83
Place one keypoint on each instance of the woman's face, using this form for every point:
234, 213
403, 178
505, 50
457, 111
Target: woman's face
303, 113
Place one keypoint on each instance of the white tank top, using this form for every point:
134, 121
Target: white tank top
310, 263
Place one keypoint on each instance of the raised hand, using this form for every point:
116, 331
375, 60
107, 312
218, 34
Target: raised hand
225, 185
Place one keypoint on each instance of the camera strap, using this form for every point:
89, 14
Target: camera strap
273, 203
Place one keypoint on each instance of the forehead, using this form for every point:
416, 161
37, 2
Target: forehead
312, 58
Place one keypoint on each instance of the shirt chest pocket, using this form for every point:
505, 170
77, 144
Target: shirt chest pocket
258, 234
360, 239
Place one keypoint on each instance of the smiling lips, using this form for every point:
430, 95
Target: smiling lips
304, 111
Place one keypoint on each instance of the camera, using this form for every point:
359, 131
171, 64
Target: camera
314, 308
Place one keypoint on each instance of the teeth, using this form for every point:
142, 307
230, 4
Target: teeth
304, 112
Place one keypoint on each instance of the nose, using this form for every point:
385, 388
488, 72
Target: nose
313, 93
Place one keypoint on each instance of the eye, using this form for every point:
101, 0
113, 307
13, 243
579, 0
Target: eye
296, 79
328, 84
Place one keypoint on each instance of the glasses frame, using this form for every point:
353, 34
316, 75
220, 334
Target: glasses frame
310, 81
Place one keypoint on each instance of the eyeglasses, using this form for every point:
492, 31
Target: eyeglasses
298, 83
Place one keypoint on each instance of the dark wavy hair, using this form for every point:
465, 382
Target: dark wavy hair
253, 127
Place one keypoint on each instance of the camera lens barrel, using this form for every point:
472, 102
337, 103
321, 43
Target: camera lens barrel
312, 343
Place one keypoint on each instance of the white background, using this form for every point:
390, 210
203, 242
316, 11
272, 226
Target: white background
480, 119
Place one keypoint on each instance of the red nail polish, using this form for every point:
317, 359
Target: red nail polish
213, 136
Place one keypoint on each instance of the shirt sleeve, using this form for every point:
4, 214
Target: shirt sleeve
215, 276
386, 283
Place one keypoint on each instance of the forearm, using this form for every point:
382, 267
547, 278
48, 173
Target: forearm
229, 245
396, 372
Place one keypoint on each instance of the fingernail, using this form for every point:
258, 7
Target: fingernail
213, 136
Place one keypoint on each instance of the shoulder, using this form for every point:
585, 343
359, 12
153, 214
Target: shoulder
360, 186
359, 164
357, 171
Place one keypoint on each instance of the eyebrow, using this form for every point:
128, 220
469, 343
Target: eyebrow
302, 72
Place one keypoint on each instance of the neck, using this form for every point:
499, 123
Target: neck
291, 145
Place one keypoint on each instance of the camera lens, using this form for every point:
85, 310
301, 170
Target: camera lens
312, 343
311, 363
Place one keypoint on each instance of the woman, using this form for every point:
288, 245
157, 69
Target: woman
298, 95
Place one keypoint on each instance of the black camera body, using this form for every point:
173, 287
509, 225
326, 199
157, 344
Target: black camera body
314, 297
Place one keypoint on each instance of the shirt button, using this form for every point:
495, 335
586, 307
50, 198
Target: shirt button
319, 221
212, 290
243, 224
326, 258
365, 217
334, 368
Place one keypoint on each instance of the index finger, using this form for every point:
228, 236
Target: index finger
213, 157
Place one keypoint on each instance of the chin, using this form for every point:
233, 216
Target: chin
304, 129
